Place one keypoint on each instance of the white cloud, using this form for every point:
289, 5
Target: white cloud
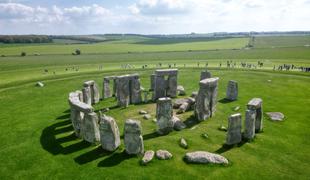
157, 16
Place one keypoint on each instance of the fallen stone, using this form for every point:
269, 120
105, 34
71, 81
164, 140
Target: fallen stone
39, 84
147, 116
178, 124
275, 116
183, 143
222, 128
203, 157
163, 154
237, 108
181, 90
142, 112
205, 135
177, 103
194, 94
148, 157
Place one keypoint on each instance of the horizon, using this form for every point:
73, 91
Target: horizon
151, 16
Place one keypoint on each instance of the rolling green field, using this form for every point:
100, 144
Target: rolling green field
37, 140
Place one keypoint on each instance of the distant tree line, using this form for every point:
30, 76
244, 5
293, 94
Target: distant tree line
79, 38
25, 39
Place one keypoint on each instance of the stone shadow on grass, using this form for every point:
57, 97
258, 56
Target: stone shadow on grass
50, 143
224, 101
191, 121
92, 155
226, 147
150, 136
115, 159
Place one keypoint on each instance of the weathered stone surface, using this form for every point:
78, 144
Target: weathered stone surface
135, 91
275, 116
194, 94
184, 107
204, 75
90, 128
181, 90
183, 143
145, 96
249, 131
232, 90
164, 113
234, 129
106, 88
203, 157
87, 95
74, 101
142, 112
172, 86
123, 91
206, 98
109, 133
147, 116
178, 124
178, 102
88, 83
39, 84
133, 137
148, 157
165, 88
96, 93
257, 105
163, 154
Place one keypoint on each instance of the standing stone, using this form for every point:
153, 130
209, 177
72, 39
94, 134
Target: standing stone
206, 98
123, 92
109, 133
87, 95
152, 78
232, 90
256, 104
106, 88
172, 86
135, 91
164, 114
249, 131
114, 86
204, 75
160, 87
164, 87
132, 137
90, 128
234, 129
96, 96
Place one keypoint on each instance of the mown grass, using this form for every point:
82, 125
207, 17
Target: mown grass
124, 46
281, 41
37, 141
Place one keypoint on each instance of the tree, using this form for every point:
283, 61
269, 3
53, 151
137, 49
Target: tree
77, 52
23, 54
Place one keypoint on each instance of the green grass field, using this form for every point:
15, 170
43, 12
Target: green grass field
37, 140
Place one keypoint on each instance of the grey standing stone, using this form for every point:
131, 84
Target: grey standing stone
96, 96
148, 157
203, 157
204, 75
257, 105
249, 131
87, 95
135, 96
164, 87
206, 99
232, 90
164, 114
90, 128
109, 133
123, 92
172, 86
106, 88
133, 137
234, 129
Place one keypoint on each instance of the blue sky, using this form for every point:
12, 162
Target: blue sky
151, 16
